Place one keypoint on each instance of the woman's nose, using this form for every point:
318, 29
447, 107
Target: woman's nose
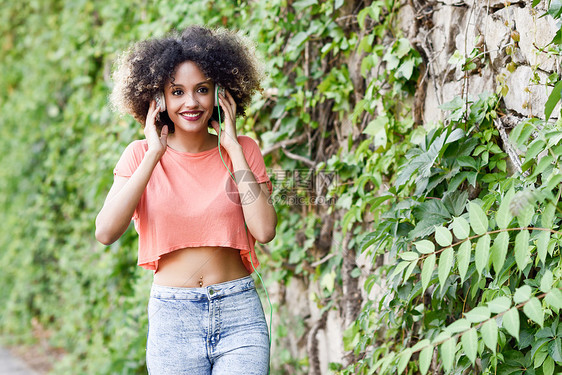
190, 101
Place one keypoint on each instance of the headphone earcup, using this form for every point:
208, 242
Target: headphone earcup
218, 90
162, 102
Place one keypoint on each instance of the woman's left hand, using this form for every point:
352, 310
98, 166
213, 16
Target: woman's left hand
228, 137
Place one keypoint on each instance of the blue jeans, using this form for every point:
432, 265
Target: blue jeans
218, 329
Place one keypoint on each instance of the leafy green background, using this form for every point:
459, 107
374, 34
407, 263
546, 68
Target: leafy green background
467, 251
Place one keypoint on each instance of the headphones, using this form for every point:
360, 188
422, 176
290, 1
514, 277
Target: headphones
161, 101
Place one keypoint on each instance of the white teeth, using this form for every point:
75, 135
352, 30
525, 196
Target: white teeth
192, 115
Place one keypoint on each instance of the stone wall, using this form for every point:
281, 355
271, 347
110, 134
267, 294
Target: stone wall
439, 28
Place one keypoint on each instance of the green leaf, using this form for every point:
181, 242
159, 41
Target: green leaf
555, 8
463, 258
510, 322
522, 251
554, 298
461, 228
482, 253
376, 125
425, 246
455, 135
403, 361
521, 133
441, 337
455, 202
299, 39
533, 310
544, 163
398, 269
427, 271
409, 256
445, 264
553, 99
526, 213
546, 281
361, 17
405, 69
504, 216
535, 148
555, 349
543, 240
328, 281
499, 304
522, 294
477, 314
469, 341
468, 161
547, 217
410, 270
448, 350
425, 359
548, 366
553, 181
540, 354
489, 332
443, 236
499, 251
387, 361
459, 325
421, 344
302, 4
478, 219
552, 245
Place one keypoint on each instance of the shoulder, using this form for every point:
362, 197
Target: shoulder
131, 158
135, 150
139, 144
248, 143
138, 147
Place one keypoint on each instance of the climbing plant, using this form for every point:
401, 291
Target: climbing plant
473, 282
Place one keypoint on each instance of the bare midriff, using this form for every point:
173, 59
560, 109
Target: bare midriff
196, 267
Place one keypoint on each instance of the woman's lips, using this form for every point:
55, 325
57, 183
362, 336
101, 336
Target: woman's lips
191, 116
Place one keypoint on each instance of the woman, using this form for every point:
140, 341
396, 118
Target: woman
205, 316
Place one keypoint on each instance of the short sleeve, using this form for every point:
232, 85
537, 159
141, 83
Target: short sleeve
255, 160
130, 159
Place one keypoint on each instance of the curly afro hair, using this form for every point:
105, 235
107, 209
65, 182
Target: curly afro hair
144, 69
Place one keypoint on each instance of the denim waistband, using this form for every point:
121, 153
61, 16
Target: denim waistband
208, 292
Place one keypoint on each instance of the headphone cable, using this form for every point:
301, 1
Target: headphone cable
245, 226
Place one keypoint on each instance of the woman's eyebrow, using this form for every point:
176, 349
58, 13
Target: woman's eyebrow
197, 84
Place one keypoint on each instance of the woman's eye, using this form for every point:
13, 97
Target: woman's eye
177, 92
203, 90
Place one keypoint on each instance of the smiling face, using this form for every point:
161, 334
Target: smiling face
189, 98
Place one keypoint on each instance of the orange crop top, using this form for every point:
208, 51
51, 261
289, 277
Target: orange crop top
190, 201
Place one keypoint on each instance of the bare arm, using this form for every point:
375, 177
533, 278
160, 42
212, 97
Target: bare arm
121, 201
124, 196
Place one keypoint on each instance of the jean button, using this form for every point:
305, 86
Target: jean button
211, 292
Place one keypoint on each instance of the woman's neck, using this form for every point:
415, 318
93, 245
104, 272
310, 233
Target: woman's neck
193, 142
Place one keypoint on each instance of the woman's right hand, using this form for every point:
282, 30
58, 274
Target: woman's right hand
156, 143
123, 198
